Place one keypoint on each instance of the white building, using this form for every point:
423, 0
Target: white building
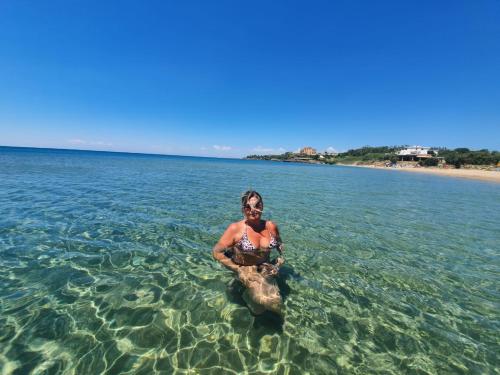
416, 152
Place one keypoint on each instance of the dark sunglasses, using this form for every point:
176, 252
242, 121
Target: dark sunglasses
256, 208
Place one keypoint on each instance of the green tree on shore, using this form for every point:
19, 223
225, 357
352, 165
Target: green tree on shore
457, 157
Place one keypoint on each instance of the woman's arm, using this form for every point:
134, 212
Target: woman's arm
226, 242
273, 228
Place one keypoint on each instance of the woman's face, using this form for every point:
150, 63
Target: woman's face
253, 209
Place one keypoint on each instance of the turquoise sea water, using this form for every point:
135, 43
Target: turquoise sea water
106, 267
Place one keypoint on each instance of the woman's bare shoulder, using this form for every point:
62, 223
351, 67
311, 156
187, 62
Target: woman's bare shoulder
272, 226
236, 226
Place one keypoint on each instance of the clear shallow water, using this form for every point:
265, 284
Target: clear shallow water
105, 267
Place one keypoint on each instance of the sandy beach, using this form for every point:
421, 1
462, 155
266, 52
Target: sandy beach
475, 174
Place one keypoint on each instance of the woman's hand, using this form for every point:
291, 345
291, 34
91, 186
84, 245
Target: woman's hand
268, 270
279, 261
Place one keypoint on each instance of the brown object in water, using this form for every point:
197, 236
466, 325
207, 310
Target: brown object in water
262, 290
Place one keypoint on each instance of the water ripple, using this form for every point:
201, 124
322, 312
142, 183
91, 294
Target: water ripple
105, 267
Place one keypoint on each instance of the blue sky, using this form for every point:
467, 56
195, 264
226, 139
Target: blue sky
229, 78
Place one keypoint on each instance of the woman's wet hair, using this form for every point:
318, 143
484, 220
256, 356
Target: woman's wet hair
249, 195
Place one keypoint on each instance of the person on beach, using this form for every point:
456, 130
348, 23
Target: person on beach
245, 249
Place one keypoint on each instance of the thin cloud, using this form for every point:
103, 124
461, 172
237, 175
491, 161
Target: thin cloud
82, 142
222, 148
77, 141
268, 150
331, 150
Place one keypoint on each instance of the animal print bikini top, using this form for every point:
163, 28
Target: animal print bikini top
246, 246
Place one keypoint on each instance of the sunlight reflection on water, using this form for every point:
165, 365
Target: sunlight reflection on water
105, 265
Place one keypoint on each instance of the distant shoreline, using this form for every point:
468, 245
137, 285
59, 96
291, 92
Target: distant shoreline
473, 174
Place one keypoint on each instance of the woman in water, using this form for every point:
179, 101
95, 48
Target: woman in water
245, 248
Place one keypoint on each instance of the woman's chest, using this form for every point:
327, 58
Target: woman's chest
255, 241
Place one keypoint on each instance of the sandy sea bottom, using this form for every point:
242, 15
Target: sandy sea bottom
105, 267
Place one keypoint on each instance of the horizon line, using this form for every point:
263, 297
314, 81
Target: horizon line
118, 152
212, 157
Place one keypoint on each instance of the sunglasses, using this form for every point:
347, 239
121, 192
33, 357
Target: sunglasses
253, 208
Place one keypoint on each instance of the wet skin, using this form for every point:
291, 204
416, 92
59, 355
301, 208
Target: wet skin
253, 269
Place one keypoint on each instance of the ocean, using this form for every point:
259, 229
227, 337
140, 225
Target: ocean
106, 267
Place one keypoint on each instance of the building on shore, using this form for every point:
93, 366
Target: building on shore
416, 153
308, 151
330, 153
